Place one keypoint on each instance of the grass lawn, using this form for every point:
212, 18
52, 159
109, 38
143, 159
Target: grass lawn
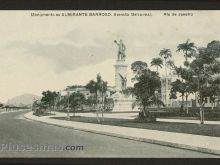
208, 118
208, 130
44, 114
180, 117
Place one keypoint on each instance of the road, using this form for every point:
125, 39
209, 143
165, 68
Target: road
16, 130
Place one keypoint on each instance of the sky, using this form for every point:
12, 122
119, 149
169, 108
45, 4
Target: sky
40, 53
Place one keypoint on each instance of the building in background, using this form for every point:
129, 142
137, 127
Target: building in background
165, 90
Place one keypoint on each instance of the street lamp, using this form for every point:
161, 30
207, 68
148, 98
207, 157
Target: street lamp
201, 110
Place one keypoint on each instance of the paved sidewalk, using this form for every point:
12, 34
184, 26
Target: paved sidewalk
200, 143
187, 121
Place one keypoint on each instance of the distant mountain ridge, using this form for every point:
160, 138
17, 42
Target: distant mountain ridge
25, 99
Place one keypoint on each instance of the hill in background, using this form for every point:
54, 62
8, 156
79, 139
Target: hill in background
25, 99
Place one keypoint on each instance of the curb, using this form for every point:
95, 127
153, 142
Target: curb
146, 140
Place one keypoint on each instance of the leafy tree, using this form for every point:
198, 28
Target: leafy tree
1, 105
170, 64
102, 88
178, 71
73, 87
177, 86
38, 107
204, 70
137, 67
128, 91
188, 48
109, 104
63, 102
91, 100
166, 54
198, 76
216, 80
204, 67
158, 62
76, 100
184, 88
93, 88
212, 90
213, 49
49, 98
144, 89
99, 88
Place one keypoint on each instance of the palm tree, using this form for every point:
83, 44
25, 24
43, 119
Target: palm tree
188, 49
158, 62
99, 87
93, 87
166, 54
171, 65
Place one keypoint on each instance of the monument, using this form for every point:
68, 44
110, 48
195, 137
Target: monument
121, 101
120, 68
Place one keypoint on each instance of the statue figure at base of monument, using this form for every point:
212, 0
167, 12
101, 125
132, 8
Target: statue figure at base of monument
121, 50
123, 82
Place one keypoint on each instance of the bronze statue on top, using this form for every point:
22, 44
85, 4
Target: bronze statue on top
121, 50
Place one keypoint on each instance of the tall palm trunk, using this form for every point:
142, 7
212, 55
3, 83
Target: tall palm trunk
166, 68
165, 83
102, 104
144, 110
201, 109
186, 56
182, 104
187, 108
218, 101
97, 108
212, 101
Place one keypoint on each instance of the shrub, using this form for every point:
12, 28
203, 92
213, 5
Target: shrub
147, 117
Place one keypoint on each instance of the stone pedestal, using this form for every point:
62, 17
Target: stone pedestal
120, 69
122, 103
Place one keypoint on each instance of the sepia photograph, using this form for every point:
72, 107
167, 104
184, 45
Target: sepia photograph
110, 84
